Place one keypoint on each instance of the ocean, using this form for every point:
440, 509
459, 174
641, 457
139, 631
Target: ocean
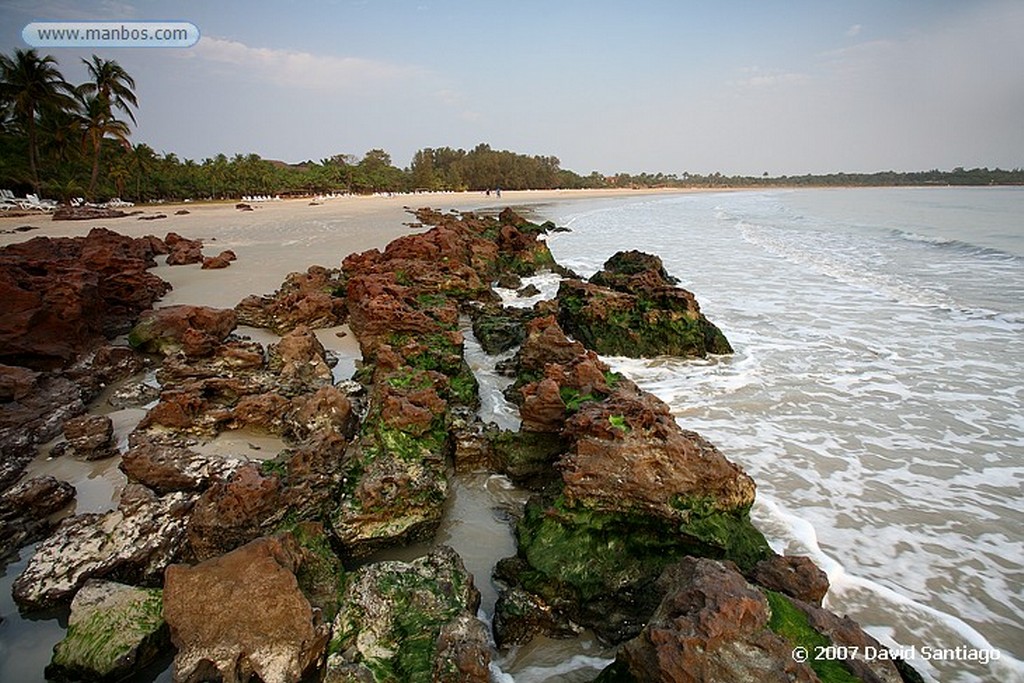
875, 395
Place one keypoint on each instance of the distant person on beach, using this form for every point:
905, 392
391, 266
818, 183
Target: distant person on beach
498, 191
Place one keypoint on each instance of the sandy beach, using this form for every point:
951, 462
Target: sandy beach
280, 237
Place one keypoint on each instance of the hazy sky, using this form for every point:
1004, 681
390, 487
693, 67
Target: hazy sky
645, 85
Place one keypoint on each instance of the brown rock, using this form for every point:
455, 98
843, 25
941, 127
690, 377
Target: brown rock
327, 411
629, 455
314, 298
63, 295
193, 330
543, 409
90, 436
546, 343
242, 615
166, 468
795, 575
300, 361
711, 626
230, 514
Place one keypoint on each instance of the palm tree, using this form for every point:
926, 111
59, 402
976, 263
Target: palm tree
98, 123
28, 84
111, 85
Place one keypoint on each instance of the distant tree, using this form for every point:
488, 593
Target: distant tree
97, 125
110, 87
29, 84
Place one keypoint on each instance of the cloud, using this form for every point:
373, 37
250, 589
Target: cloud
854, 31
300, 69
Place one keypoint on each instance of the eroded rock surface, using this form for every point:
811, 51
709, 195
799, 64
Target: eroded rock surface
243, 614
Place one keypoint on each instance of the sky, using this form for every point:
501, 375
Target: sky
667, 86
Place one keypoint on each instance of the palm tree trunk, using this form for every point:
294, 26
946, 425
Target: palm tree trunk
33, 165
97, 146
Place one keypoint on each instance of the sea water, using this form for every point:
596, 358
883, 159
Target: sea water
875, 395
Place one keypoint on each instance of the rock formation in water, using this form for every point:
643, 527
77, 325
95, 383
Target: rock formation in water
250, 555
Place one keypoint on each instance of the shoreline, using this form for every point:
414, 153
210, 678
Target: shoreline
277, 238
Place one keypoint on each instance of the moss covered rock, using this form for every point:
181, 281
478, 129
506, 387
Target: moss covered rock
412, 622
113, 631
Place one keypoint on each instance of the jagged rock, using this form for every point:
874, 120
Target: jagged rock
135, 542
711, 626
412, 622
183, 251
192, 330
114, 631
396, 472
519, 616
232, 513
221, 260
632, 308
630, 456
134, 395
327, 411
543, 409
242, 615
167, 468
528, 458
64, 295
300, 362
315, 299
16, 383
34, 418
795, 575
473, 447
25, 509
90, 436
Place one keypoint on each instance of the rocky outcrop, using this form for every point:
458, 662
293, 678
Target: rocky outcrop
242, 615
633, 308
315, 299
711, 625
192, 330
166, 468
410, 622
135, 542
34, 405
221, 260
795, 575
629, 492
183, 251
89, 437
25, 510
63, 295
114, 631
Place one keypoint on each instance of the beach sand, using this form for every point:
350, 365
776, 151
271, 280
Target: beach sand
281, 237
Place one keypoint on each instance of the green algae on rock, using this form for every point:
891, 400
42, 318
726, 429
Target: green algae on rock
633, 308
412, 622
113, 631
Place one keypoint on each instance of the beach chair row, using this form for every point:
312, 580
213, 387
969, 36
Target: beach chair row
31, 202
261, 198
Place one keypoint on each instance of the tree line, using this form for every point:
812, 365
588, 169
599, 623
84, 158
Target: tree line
63, 141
